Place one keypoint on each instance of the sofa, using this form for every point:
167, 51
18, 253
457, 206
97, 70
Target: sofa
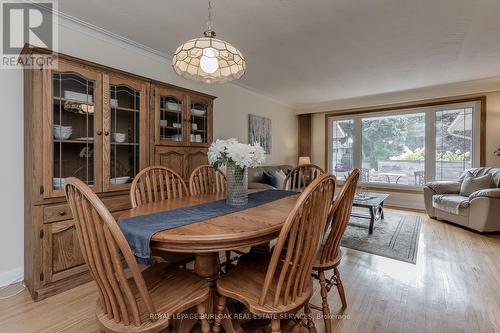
256, 179
479, 211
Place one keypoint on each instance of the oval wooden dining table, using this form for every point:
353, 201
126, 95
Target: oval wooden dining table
253, 227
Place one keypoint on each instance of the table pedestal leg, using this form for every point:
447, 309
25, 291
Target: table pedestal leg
207, 266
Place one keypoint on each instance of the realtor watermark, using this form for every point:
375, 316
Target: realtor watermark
247, 316
27, 22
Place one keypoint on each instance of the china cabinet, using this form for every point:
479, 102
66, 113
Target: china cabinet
102, 126
183, 129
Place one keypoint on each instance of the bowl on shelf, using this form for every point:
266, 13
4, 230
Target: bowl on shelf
62, 132
194, 126
113, 102
119, 137
176, 125
163, 122
119, 180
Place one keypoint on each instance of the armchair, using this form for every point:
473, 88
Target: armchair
479, 211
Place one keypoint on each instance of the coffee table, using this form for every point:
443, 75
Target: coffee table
375, 204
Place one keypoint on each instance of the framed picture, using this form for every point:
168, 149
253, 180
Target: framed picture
259, 130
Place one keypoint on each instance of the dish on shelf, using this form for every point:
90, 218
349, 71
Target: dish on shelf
176, 137
119, 180
194, 126
163, 123
119, 137
176, 125
85, 138
173, 106
76, 96
113, 102
196, 138
197, 112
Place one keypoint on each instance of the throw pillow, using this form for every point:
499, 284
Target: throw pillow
268, 178
280, 178
472, 183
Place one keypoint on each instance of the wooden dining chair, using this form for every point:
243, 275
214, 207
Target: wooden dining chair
300, 177
156, 183
329, 254
129, 301
281, 283
206, 179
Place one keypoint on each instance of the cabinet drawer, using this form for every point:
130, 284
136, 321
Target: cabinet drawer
56, 213
61, 212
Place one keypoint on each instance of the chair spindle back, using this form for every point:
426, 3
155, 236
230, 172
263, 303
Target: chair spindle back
102, 241
300, 177
299, 239
156, 183
338, 217
205, 179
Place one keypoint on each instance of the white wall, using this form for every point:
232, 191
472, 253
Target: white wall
489, 88
231, 110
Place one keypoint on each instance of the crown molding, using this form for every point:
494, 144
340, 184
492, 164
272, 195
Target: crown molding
464, 88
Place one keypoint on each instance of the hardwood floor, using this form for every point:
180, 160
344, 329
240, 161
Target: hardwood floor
454, 287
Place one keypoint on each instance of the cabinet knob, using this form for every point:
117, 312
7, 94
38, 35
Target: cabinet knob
99, 132
62, 213
106, 133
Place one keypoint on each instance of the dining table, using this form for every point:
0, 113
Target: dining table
251, 228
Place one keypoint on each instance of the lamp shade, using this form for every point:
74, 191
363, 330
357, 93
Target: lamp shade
304, 160
209, 60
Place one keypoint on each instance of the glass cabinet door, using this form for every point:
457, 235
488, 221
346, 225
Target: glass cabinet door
169, 116
200, 112
124, 108
71, 113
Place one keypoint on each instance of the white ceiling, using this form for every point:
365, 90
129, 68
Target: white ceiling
305, 52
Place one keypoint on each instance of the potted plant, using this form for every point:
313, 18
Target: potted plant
237, 157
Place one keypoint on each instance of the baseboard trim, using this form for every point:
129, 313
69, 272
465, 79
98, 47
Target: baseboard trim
13, 275
410, 209
404, 204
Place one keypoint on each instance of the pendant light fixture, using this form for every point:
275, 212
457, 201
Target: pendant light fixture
208, 59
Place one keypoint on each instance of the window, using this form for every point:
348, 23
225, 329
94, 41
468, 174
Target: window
392, 148
406, 147
453, 143
342, 141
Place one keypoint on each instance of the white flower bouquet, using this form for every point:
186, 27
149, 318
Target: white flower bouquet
232, 153
237, 157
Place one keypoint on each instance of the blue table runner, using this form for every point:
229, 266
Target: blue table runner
138, 230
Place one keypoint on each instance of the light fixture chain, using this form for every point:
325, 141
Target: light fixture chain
210, 18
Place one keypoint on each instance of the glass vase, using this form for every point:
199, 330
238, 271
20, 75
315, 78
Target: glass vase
237, 186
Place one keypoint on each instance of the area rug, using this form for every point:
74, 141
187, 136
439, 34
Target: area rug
396, 236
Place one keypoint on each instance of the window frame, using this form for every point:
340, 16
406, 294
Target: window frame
478, 104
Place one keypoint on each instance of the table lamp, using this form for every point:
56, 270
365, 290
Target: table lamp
304, 160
